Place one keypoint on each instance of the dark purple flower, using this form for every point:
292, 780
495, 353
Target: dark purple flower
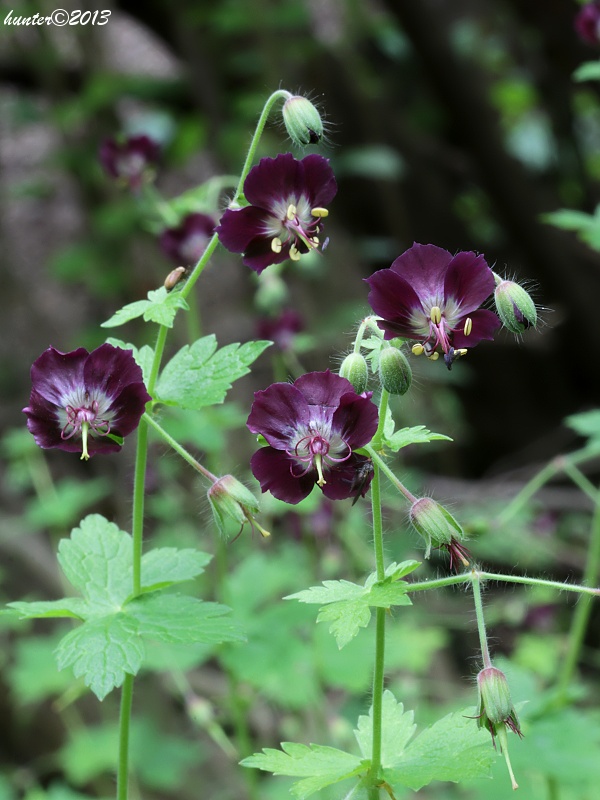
85, 402
187, 242
288, 200
129, 160
281, 329
587, 23
434, 297
312, 428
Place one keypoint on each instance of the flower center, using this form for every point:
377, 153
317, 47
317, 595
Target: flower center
315, 451
440, 335
300, 230
130, 165
81, 419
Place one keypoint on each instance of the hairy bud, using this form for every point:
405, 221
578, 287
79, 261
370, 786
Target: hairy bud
496, 711
229, 498
302, 121
354, 369
515, 307
439, 529
395, 373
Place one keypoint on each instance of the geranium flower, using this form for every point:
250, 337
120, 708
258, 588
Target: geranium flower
312, 428
434, 297
282, 329
587, 23
85, 402
186, 243
131, 159
288, 200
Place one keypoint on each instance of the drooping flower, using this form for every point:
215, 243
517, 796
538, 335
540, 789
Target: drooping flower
434, 297
440, 530
85, 402
587, 22
312, 428
288, 200
496, 711
186, 243
281, 329
131, 160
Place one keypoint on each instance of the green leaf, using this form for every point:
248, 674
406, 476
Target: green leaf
144, 356
319, 766
165, 566
452, 749
182, 619
200, 375
160, 307
589, 71
72, 607
102, 651
587, 423
568, 220
97, 560
347, 605
397, 729
416, 435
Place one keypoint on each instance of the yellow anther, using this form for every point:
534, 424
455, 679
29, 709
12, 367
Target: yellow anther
418, 349
468, 326
291, 212
433, 356
294, 253
319, 212
436, 315
315, 240
461, 352
276, 245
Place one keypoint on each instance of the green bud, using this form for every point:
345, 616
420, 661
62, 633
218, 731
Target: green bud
302, 121
354, 368
515, 307
230, 499
435, 524
395, 373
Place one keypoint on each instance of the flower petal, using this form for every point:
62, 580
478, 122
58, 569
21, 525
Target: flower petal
469, 281
271, 468
484, 325
238, 227
424, 267
341, 481
319, 181
108, 370
393, 298
355, 420
277, 413
57, 375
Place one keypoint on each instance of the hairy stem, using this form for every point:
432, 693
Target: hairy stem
485, 653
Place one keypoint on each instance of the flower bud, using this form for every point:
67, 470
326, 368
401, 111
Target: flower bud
395, 373
229, 498
439, 529
354, 369
496, 711
302, 121
515, 307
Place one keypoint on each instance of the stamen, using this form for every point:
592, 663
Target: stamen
436, 315
434, 356
468, 326
417, 349
276, 245
461, 352
315, 240
291, 212
319, 212
294, 253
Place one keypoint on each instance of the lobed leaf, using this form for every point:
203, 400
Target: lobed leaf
416, 435
160, 307
319, 766
200, 375
166, 566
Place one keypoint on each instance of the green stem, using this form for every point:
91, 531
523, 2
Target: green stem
583, 610
390, 475
485, 653
179, 449
466, 577
124, 725
378, 673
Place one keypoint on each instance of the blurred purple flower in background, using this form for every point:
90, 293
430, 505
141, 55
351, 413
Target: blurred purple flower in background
186, 243
131, 160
